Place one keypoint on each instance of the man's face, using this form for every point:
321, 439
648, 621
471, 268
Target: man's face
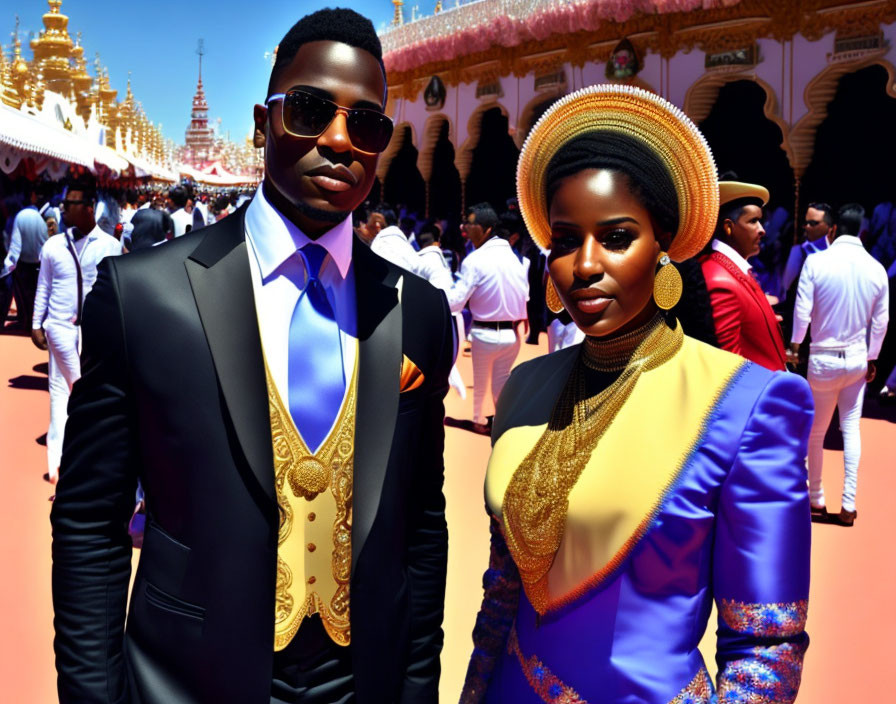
747, 231
319, 180
815, 225
78, 211
370, 229
473, 231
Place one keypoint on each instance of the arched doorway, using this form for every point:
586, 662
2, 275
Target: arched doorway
745, 141
403, 184
493, 168
855, 146
532, 113
444, 184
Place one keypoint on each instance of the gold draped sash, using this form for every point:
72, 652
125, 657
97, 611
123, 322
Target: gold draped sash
537, 499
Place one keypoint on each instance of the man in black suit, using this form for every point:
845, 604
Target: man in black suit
277, 388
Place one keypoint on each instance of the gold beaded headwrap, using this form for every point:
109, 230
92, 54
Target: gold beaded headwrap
640, 114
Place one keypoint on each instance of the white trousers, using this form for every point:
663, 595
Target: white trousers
455, 380
65, 370
494, 352
837, 379
561, 336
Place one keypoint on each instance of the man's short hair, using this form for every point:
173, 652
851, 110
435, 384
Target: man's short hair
429, 234
84, 184
388, 214
330, 24
824, 208
178, 196
131, 196
485, 215
849, 219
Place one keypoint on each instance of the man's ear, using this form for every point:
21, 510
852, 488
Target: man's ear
260, 115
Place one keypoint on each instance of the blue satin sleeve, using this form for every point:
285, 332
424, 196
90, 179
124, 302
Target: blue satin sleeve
501, 589
761, 553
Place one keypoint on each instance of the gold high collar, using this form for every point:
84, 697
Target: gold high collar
613, 354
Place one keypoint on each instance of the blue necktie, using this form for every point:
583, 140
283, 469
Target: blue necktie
316, 374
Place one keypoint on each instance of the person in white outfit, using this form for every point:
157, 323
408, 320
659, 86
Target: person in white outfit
497, 288
183, 221
387, 240
843, 293
67, 273
431, 265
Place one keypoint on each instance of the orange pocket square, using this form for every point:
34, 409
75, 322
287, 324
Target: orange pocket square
411, 376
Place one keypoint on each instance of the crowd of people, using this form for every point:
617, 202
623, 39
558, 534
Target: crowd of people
51, 247
288, 450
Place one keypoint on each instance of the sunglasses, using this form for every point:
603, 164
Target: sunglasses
812, 223
66, 203
308, 115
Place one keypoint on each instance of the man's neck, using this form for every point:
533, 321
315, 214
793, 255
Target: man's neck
313, 229
77, 234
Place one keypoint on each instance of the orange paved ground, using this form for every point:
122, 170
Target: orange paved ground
852, 570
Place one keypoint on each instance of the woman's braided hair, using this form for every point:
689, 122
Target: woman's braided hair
648, 177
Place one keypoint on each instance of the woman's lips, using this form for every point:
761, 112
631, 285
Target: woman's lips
330, 184
593, 305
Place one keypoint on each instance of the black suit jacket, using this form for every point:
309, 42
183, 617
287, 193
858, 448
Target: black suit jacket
173, 393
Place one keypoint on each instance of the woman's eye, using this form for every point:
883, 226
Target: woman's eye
617, 239
564, 241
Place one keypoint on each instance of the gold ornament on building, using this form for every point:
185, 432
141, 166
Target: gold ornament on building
645, 116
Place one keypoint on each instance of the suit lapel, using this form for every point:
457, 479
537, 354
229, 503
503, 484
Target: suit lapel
222, 286
379, 368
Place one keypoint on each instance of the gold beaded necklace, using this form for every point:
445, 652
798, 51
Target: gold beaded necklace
537, 498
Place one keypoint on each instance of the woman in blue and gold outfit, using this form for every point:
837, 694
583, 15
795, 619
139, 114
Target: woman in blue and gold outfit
637, 477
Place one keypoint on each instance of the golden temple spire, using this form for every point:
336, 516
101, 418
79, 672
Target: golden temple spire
53, 50
8, 93
397, 18
19, 68
438, 7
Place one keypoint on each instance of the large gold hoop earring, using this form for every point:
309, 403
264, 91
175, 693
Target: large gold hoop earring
552, 298
667, 285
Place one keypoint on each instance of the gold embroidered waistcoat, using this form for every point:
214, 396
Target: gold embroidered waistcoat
314, 492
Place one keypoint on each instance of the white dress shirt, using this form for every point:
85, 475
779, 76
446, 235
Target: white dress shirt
843, 293
181, 219
271, 239
56, 299
29, 232
732, 254
431, 265
493, 281
390, 243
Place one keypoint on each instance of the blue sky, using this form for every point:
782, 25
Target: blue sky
156, 42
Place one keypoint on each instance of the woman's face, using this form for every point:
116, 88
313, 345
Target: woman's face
603, 252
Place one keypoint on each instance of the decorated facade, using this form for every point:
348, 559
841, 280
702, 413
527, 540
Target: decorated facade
467, 83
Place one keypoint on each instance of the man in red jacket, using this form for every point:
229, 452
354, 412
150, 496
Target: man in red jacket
744, 320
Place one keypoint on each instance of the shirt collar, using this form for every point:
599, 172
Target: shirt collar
276, 238
732, 254
847, 239
493, 241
